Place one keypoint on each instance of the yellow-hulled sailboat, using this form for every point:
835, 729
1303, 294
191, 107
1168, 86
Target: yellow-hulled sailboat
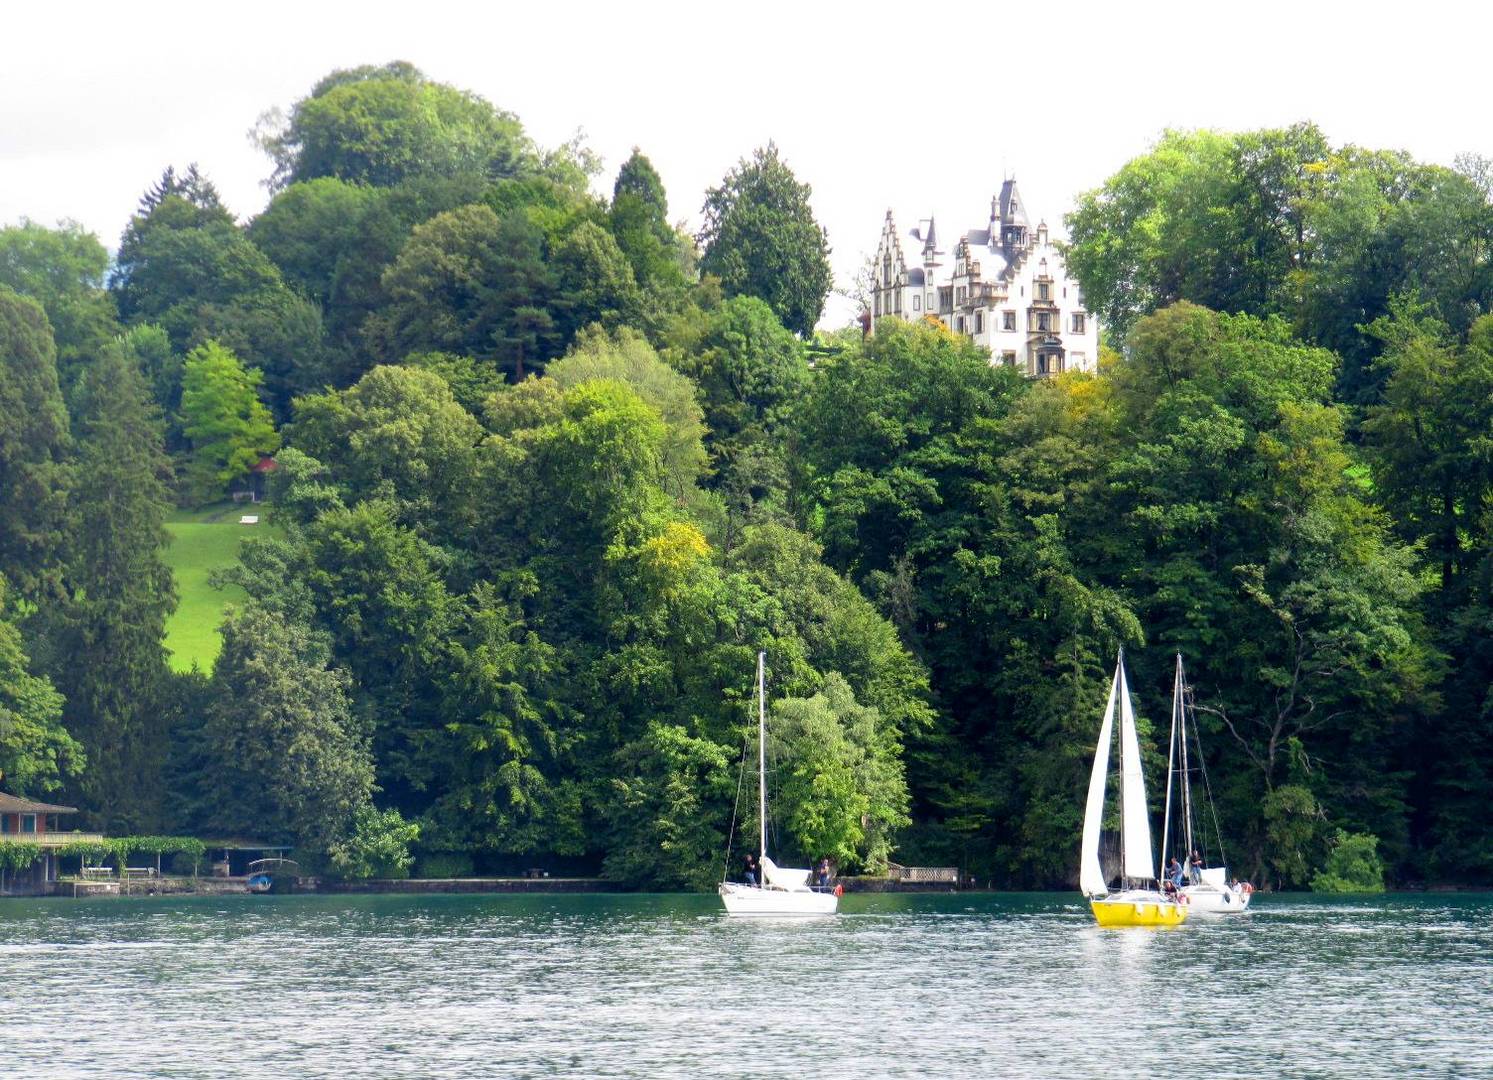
1137, 903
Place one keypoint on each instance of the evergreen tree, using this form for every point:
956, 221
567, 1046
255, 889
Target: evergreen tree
33, 446
105, 643
760, 238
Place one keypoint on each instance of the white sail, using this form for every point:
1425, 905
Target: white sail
1090, 873
1137, 820
783, 877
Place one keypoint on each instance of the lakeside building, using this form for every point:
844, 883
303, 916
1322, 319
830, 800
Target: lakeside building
26, 821
1007, 289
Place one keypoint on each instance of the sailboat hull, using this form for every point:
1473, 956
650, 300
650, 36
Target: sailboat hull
1209, 900
751, 900
1142, 909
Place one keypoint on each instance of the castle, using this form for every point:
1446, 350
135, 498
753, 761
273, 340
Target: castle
1009, 290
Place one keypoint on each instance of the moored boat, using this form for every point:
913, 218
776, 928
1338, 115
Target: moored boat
1204, 889
783, 891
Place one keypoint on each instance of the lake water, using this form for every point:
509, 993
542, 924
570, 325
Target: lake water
969, 985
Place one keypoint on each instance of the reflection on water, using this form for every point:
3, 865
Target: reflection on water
972, 985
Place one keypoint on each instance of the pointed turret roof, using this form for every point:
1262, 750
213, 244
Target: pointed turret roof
1012, 205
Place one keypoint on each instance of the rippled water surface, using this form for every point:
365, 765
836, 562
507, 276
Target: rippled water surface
972, 985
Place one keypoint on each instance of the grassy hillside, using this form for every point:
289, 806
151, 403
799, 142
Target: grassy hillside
203, 541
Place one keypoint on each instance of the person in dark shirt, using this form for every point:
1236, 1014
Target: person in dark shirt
1197, 867
824, 872
749, 869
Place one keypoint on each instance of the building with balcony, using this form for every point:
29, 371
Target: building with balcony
26, 821
1005, 287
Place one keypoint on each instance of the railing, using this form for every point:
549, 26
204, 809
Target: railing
943, 875
53, 839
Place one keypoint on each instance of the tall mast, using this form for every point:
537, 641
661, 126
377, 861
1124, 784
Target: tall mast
1186, 784
1171, 753
761, 756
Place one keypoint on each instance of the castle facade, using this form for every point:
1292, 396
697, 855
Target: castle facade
1007, 288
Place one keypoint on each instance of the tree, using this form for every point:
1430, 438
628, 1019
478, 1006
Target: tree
381, 125
223, 418
33, 446
1353, 866
62, 269
291, 762
667, 792
36, 752
104, 642
398, 435
841, 787
627, 358
638, 218
472, 283
761, 239
185, 266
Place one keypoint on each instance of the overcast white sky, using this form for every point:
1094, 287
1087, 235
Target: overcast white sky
874, 107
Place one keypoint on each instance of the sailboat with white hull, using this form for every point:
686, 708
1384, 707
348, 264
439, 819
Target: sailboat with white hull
782, 892
1136, 902
1203, 888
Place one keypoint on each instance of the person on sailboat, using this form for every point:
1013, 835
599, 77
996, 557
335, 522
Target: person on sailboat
824, 872
1174, 873
1197, 867
749, 869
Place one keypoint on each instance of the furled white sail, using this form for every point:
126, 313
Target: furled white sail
1137, 820
783, 877
1090, 873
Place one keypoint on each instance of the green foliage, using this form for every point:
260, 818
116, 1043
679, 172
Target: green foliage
62, 269
118, 590
399, 435
1280, 222
18, 855
627, 358
286, 758
382, 125
470, 282
378, 846
761, 239
1353, 866
667, 792
840, 789
33, 444
36, 751
224, 420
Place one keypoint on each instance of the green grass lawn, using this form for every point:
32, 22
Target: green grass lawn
203, 541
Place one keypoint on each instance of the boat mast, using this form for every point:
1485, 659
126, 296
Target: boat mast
1171, 753
1186, 785
761, 757
1119, 667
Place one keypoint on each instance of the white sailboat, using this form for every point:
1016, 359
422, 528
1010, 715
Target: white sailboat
782, 891
1137, 902
1209, 892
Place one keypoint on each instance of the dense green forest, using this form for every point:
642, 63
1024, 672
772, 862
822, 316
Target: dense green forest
551, 471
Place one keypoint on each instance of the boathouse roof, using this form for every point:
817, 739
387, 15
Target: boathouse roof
12, 804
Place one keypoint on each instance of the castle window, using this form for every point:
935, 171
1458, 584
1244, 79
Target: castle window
1078, 322
886, 269
1009, 359
979, 322
959, 324
1043, 291
1044, 321
1008, 320
876, 304
1079, 360
897, 302
1041, 363
917, 303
